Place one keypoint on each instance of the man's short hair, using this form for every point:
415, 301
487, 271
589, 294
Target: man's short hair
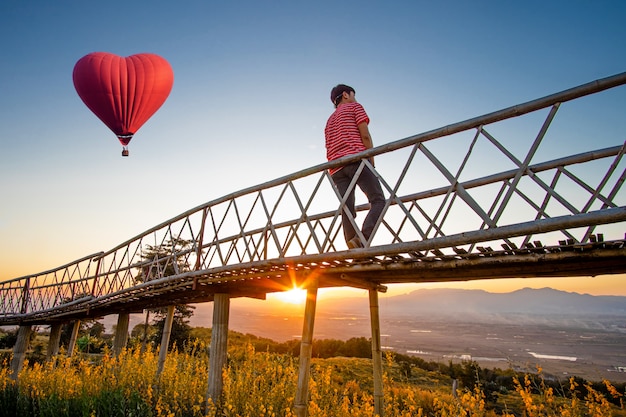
337, 92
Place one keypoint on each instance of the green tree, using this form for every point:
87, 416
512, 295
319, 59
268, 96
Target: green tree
96, 329
90, 344
169, 258
8, 339
181, 330
91, 328
357, 347
140, 330
164, 260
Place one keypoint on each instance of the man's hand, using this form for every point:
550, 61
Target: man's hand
366, 138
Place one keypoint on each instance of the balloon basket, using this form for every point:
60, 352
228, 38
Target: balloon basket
125, 152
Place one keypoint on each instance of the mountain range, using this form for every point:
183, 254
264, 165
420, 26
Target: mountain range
566, 333
527, 301
546, 306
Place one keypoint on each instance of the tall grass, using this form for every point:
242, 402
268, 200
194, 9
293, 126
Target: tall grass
263, 384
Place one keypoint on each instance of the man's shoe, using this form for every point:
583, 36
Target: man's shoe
354, 243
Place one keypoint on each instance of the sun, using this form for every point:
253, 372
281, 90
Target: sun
293, 296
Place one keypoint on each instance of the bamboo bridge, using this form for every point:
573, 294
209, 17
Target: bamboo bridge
497, 196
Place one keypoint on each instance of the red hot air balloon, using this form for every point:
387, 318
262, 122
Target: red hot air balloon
123, 92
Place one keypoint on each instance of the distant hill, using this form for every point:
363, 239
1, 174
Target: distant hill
527, 301
524, 301
527, 306
520, 328
544, 306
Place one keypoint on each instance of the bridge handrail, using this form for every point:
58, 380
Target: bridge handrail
616, 214
116, 269
513, 111
53, 270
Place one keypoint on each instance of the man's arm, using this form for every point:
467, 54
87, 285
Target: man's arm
366, 138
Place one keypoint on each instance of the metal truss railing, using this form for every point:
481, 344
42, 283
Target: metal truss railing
472, 178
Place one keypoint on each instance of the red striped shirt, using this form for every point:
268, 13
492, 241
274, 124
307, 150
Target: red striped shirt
342, 131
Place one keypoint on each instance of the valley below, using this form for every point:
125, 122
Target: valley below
590, 348
566, 334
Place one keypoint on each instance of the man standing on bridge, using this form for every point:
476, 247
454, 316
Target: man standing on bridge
347, 133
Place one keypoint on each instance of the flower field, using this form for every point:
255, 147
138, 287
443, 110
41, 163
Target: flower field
264, 384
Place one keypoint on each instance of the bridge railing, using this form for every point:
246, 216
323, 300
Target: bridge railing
510, 167
46, 290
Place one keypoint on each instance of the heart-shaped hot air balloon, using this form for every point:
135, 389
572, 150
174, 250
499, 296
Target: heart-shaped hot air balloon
124, 92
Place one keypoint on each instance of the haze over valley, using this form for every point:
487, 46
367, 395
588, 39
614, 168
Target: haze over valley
565, 333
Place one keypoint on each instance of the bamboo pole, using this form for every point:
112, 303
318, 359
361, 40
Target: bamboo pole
73, 337
604, 216
219, 346
144, 340
19, 350
165, 338
55, 339
377, 356
598, 217
306, 349
121, 333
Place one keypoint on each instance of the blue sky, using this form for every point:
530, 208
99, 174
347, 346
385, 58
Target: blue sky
250, 98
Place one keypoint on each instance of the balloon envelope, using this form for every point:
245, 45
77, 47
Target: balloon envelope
124, 92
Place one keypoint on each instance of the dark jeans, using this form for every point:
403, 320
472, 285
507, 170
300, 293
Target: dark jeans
369, 184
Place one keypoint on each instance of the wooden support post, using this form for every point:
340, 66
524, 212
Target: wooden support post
73, 338
377, 356
19, 350
165, 338
306, 349
144, 340
121, 333
55, 339
219, 345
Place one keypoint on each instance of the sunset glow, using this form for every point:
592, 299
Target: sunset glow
293, 296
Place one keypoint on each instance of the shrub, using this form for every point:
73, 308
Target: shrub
263, 384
